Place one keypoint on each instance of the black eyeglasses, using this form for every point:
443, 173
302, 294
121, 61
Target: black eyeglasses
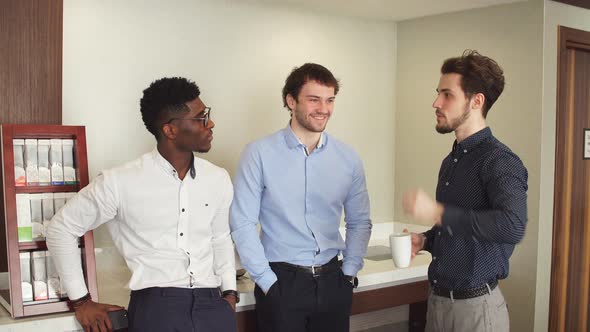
205, 117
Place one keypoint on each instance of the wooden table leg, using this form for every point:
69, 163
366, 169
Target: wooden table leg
246, 321
417, 319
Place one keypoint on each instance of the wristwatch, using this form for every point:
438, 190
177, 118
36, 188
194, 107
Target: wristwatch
353, 280
232, 292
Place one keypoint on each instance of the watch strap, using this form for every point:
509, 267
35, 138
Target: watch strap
232, 292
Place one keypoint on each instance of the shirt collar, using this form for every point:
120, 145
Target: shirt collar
473, 141
168, 168
321, 141
292, 140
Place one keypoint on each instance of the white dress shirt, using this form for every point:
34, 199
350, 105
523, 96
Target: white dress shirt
171, 232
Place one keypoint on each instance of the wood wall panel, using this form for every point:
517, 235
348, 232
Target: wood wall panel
31, 35
31, 42
577, 3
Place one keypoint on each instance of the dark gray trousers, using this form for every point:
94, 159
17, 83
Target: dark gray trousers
299, 302
170, 309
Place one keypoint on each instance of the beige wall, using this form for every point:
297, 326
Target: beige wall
511, 34
240, 56
555, 14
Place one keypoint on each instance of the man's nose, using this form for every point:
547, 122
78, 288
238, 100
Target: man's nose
436, 103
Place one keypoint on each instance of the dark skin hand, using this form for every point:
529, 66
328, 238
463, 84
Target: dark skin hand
94, 316
232, 300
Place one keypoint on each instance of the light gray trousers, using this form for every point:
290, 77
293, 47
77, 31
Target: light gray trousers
486, 313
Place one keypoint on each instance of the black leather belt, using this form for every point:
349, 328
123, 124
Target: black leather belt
180, 292
316, 270
462, 294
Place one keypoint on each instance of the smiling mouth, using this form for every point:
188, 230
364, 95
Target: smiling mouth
319, 117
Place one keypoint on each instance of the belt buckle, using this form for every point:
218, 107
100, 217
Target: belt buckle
313, 271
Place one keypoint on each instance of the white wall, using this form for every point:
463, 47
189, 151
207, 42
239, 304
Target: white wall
240, 56
512, 35
578, 18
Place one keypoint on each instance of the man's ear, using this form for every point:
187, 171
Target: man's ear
477, 101
169, 131
291, 101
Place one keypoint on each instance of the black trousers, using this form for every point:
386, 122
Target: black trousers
170, 309
300, 302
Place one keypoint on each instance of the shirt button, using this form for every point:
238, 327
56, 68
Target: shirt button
433, 258
438, 233
465, 151
434, 281
182, 210
188, 253
455, 160
191, 272
446, 183
181, 234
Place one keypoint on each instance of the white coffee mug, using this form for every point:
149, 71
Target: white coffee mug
401, 249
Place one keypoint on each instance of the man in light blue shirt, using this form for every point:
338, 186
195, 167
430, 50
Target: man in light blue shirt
296, 183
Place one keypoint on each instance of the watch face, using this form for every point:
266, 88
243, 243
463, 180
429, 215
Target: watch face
353, 280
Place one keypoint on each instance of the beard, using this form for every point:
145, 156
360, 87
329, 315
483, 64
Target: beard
445, 128
308, 124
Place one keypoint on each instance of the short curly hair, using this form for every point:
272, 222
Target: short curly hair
479, 74
164, 96
308, 72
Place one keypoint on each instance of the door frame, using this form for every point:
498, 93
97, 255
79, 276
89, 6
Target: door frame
579, 39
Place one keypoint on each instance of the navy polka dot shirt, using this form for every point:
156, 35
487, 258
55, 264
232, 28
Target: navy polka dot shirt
483, 186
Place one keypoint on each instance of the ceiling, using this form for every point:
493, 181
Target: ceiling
391, 10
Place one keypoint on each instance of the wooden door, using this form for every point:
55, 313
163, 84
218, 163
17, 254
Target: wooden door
570, 275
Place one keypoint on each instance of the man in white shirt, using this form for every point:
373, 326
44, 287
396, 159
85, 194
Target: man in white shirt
167, 213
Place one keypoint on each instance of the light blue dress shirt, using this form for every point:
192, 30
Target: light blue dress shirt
298, 201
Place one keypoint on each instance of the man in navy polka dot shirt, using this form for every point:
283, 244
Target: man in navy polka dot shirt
480, 211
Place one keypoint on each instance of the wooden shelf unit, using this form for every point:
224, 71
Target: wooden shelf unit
46, 189
10, 247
